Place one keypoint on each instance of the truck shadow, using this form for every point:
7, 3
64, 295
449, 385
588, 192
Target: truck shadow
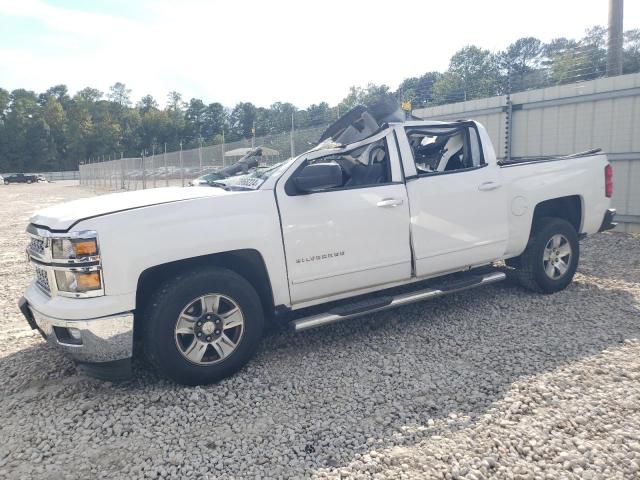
375, 381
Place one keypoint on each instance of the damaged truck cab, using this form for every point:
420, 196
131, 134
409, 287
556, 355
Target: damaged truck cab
382, 212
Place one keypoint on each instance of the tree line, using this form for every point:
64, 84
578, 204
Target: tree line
55, 131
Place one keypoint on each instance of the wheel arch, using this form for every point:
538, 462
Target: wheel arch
568, 208
247, 263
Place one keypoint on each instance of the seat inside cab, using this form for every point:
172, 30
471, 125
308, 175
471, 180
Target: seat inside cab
439, 150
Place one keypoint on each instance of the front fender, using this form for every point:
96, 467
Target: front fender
136, 240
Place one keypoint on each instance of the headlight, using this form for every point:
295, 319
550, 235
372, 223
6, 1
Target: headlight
73, 248
78, 281
67, 264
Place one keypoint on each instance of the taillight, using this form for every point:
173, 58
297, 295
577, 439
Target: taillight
608, 181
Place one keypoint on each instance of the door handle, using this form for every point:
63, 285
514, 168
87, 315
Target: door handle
487, 186
389, 202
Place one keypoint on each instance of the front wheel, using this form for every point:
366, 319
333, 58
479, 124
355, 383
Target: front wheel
551, 257
202, 326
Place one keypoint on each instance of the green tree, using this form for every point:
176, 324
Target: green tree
242, 120
147, 103
522, 60
194, 119
59, 92
473, 73
23, 109
79, 132
214, 121
155, 129
120, 94
631, 55
175, 110
594, 54
56, 119
317, 114
418, 90
364, 96
89, 95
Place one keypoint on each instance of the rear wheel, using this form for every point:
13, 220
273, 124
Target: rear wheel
202, 326
551, 257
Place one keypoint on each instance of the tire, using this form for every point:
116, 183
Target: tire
551, 238
174, 305
6, 182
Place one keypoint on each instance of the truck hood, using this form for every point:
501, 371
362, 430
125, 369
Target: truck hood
63, 216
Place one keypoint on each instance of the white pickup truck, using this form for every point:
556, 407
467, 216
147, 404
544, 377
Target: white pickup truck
382, 212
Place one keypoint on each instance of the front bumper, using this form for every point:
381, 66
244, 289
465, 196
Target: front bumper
97, 340
607, 221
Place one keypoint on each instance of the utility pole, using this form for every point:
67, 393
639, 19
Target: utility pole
614, 43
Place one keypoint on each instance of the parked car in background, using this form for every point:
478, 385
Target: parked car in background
383, 212
20, 178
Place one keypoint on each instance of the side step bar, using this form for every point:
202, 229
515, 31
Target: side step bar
386, 302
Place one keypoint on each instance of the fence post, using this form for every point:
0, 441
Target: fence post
166, 170
293, 148
181, 166
122, 169
509, 119
223, 162
109, 170
153, 165
200, 156
144, 179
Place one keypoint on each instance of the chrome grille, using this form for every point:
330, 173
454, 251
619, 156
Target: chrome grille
42, 279
37, 246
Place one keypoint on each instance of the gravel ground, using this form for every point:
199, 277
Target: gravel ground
489, 383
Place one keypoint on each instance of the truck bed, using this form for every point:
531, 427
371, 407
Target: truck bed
527, 160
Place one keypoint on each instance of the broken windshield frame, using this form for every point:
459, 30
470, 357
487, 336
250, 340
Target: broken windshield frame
253, 179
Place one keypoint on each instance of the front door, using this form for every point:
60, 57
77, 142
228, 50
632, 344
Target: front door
350, 236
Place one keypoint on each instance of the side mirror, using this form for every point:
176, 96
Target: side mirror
319, 176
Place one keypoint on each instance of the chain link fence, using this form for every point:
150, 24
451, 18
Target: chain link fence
178, 168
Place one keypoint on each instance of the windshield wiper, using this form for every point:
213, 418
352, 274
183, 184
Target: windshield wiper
223, 186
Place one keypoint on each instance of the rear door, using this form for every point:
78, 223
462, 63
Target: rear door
458, 211
351, 237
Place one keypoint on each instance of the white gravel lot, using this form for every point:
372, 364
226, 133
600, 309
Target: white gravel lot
489, 383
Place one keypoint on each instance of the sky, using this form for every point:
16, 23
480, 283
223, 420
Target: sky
302, 52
